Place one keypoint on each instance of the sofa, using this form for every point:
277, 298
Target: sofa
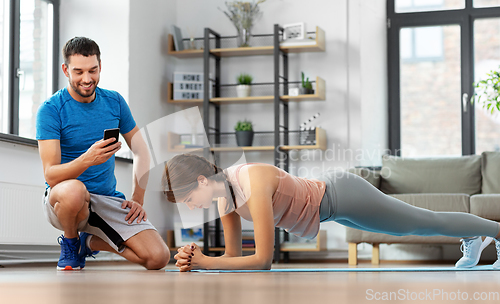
461, 184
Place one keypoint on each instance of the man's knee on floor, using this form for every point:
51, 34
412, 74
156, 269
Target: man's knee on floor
157, 258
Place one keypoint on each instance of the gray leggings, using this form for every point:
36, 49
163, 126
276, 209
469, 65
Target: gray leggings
352, 201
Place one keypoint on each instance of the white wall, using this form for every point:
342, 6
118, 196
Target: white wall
105, 22
149, 70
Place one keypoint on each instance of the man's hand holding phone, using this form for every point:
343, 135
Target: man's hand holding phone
103, 149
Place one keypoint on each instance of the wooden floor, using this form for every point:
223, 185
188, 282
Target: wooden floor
125, 283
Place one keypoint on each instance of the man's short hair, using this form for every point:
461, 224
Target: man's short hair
81, 46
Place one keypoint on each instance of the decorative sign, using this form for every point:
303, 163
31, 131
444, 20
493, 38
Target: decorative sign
189, 85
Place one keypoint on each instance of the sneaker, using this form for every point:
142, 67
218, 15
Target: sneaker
472, 249
84, 250
496, 265
68, 260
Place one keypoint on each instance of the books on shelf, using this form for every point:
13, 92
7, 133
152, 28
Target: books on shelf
189, 85
248, 243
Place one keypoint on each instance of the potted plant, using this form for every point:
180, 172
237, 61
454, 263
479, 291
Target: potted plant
243, 15
489, 89
244, 133
244, 81
306, 87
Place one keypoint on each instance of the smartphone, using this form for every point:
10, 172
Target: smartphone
110, 133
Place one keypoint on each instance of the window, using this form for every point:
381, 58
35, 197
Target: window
486, 59
408, 6
30, 78
430, 115
4, 67
422, 44
486, 3
435, 55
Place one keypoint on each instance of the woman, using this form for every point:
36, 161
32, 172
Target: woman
270, 197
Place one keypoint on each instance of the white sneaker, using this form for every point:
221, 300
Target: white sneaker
496, 265
472, 248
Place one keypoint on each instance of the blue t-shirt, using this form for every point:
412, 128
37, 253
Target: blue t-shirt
79, 125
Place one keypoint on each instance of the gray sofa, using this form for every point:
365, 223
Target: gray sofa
464, 184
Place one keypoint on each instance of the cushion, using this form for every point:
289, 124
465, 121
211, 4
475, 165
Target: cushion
373, 177
461, 174
490, 171
486, 205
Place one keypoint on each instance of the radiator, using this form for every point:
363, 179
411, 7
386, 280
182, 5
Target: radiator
22, 220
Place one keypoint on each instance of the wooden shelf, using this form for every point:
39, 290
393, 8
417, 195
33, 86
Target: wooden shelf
234, 149
318, 46
243, 51
182, 54
320, 143
319, 95
174, 139
170, 97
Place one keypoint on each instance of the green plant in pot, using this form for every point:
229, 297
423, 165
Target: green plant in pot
244, 133
306, 87
244, 85
487, 92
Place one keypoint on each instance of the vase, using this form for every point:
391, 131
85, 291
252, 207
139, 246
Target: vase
244, 138
243, 90
244, 37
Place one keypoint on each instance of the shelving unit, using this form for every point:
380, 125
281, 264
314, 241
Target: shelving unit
280, 133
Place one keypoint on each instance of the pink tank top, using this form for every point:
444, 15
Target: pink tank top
295, 203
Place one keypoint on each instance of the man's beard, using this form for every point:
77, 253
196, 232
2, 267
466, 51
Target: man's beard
76, 89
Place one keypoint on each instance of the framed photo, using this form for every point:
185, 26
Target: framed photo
186, 236
294, 31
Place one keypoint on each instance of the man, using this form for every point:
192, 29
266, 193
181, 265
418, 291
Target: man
79, 168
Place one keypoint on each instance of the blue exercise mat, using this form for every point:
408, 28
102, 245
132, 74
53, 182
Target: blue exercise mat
399, 269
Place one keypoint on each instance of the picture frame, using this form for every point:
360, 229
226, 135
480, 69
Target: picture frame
186, 236
294, 31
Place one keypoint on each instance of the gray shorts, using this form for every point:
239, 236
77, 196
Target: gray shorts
106, 220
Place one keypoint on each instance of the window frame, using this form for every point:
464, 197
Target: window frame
465, 19
14, 64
